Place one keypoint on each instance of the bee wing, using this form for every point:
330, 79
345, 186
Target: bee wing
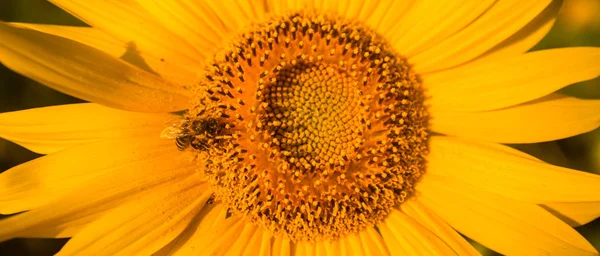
176, 122
170, 133
174, 128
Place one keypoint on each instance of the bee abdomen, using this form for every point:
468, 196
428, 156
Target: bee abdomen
183, 142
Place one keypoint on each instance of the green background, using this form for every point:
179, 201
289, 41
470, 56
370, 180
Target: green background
578, 25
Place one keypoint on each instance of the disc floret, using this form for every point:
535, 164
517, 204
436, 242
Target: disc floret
325, 126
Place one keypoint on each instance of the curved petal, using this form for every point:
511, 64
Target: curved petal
128, 22
240, 244
206, 218
527, 37
95, 38
219, 244
511, 81
401, 232
443, 20
87, 73
254, 244
38, 182
500, 22
186, 18
507, 226
437, 226
549, 118
64, 216
354, 244
207, 24
85, 35
142, 226
210, 232
51, 129
484, 166
386, 14
373, 242
575, 214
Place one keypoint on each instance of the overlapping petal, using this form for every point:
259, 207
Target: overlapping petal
437, 226
51, 129
486, 167
549, 118
405, 236
113, 162
129, 23
474, 212
64, 216
527, 37
503, 83
86, 73
501, 21
171, 71
142, 226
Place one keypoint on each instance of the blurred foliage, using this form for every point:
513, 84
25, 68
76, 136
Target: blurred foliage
577, 25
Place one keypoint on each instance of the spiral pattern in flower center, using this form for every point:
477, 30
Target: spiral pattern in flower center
324, 126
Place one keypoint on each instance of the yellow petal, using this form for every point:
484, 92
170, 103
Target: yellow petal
486, 167
219, 244
549, 118
331, 247
285, 249
321, 249
128, 22
51, 129
504, 225
142, 226
301, 249
209, 215
340, 247
413, 238
206, 25
415, 34
64, 216
240, 244
127, 51
277, 245
500, 22
254, 246
511, 81
386, 15
354, 244
183, 19
212, 232
86, 73
373, 242
38, 182
437, 226
229, 16
574, 214
527, 37
266, 244
359, 10
85, 35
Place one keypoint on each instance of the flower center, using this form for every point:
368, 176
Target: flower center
321, 126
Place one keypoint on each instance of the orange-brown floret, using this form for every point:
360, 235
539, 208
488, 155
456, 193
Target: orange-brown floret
323, 126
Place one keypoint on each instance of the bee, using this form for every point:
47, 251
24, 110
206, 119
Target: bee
199, 134
178, 129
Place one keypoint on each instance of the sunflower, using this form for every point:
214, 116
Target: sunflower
299, 128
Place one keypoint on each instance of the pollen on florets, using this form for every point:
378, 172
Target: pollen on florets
325, 126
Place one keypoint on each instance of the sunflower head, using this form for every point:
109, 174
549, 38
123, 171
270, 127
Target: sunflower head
318, 128
324, 126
